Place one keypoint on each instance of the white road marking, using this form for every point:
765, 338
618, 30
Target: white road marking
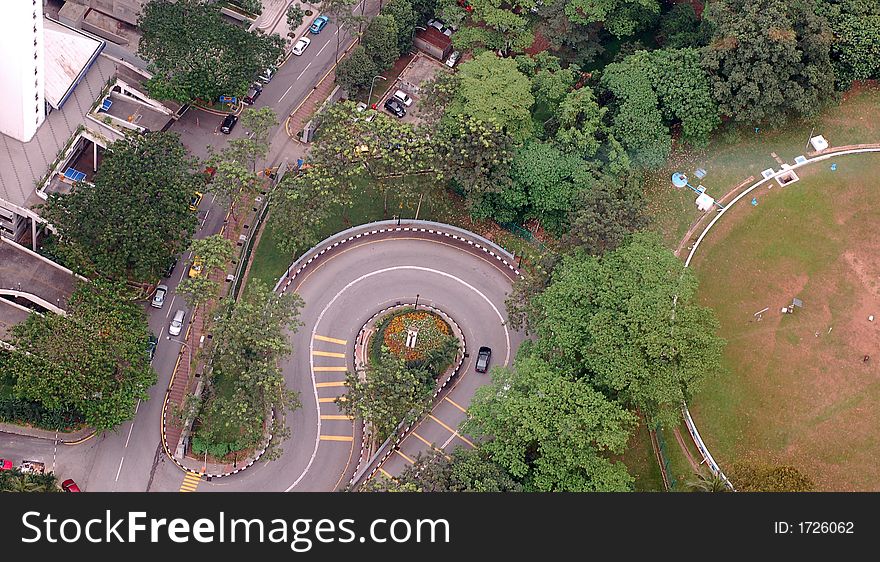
129, 435
287, 92
334, 299
322, 48
119, 469
170, 305
160, 339
304, 71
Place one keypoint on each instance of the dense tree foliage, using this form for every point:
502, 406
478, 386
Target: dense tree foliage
380, 41
768, 59
499, 25
620, 17
92, 359
17, 481
636, 120
196, 54
135, 216
680, 28
580, 40
628, 322
493, 90
579, 120
465, 470
549, 430
855, 48
356, 71
405, 20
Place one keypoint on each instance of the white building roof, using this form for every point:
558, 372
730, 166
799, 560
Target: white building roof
67, 54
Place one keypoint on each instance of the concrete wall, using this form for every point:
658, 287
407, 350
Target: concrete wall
22, 69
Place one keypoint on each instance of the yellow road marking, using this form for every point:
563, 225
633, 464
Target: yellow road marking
345, 438
328, 354
448, 399
425, 441
336, 369
385, 472
190, 482
331, 340
453, 431
335, 417
329, 384
409, 460
329, 399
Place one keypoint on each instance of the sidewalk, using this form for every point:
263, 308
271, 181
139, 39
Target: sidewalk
72, 438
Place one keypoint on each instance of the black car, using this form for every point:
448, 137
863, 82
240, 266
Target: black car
483, 359
228, 123
395, 107
170, 269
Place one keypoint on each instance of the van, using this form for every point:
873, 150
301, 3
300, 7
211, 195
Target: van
177, 323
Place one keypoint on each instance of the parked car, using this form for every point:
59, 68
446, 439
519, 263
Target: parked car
152, 344
172, 263
318, 24
177, 323
70, 486
301, 45
159, 296
6, 464
267, 75
228, 123
483, 357
452, 59
401, 96
252, 94
436, 24
194, 202
195, 270
394, 106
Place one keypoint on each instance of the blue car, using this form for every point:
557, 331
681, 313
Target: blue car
318, 24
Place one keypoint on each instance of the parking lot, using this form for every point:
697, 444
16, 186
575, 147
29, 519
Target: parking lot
420, 70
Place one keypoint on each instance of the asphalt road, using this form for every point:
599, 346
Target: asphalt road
342, 291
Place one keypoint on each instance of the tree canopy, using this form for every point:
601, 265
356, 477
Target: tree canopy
196, 54
136, 215
92, 359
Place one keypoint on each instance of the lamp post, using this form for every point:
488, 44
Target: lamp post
372, 82
169, 338
417, 301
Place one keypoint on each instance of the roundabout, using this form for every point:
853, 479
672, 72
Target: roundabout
345, 281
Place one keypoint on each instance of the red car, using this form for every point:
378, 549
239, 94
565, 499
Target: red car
5, 464
70, 486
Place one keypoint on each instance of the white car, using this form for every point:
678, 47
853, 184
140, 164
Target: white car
177, 323
452, 59
301, 44
401, 96
159, 296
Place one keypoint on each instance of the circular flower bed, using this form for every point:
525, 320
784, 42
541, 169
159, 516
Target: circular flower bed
431, 331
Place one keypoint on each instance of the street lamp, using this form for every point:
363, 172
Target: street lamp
169, 338
417, 301
372, 82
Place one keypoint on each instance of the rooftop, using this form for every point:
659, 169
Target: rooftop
24, 272
68, 53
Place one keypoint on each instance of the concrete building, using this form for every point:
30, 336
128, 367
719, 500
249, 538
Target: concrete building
123, 10
22, 77
433, 43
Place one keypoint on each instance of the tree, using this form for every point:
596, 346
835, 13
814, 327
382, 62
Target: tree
380, 41
340, 13
437, 94
465, 470
680, 28
91, 359
582, 41
637, 120
17, 481
215, 252
579, 121
550, 82
389, 393
763, 477
499, 26
300, 206
710, 483
136, 215
627, 322
246, 384
198, 291
492, 89
231, 181
295, 16
550, 431
855, 47
356, 71
768, 59
405, 18
196, 54
620, 17
255, 145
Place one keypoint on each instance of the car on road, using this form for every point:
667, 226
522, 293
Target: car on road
394, 106
228, 123
152, 344
252, 94
301, 45
318, 24
194, 202
195, 270
70, 486
483, 357
172, 263
401, 96
6, 464
452, 59
267, 75
159, 296
177, 323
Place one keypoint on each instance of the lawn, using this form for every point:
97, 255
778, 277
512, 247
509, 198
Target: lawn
733, 157
269, 263
795, 388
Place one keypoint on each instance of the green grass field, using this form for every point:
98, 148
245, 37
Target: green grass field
795, 388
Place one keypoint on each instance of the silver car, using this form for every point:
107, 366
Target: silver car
159, 296
177, 323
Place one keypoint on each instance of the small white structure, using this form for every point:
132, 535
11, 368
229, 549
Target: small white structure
819, 143
768, 173
704, 202
411, 336
800, 159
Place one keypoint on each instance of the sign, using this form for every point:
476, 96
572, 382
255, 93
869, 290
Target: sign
228, 99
